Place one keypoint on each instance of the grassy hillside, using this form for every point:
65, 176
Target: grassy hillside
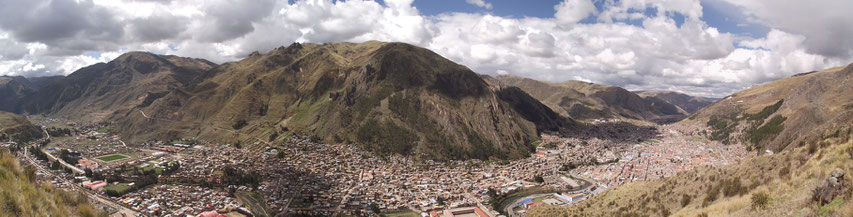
784, 184
16, 127
583, 100
21, 195
784, 113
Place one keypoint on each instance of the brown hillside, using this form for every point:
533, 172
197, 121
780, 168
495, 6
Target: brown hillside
133, 79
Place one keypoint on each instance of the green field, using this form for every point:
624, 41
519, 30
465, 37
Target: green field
109, 158
121, 188
401, 214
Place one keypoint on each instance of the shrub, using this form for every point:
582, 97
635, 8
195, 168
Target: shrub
239, 124
783, 173
685, 200
768, 131
760, 200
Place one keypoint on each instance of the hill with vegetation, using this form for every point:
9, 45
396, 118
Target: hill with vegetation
586, 101
22, 195
782, 114
17, 128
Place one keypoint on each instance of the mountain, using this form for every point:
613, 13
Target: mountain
16, 127
806, 119
687, 103
15, 90
793, 110
388, 97
585, 101
133, 79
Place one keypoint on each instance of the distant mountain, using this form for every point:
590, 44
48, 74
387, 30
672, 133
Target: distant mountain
133, 79
784, 113
689, 104
14, 90
585, 101
16, 127
388, 97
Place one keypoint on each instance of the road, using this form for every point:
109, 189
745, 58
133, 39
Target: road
216, 127
69, 166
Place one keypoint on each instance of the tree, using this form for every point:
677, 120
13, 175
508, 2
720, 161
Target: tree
538, 179
375, 208
492, 193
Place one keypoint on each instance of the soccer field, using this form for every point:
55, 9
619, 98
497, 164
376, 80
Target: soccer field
109, 158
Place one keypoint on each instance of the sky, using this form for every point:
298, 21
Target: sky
707, 48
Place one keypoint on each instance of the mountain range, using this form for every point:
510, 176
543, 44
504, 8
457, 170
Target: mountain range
387, 97
586, 101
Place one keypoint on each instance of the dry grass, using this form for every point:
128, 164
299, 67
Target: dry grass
790, 194
20, 195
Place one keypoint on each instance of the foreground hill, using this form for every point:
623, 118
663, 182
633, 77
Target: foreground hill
133, 79
814, 180
585, 101
16, 127
689, 104
20, 195
390, 97
789, 111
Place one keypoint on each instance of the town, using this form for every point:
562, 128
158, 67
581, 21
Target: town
303, 177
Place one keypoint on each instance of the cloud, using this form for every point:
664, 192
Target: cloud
480, 3
826, 24
580, 42
571, 11
66, 26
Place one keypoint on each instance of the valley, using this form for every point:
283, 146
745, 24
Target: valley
379, 129
300, 176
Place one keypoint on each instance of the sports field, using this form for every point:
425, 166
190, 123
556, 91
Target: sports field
113, 157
